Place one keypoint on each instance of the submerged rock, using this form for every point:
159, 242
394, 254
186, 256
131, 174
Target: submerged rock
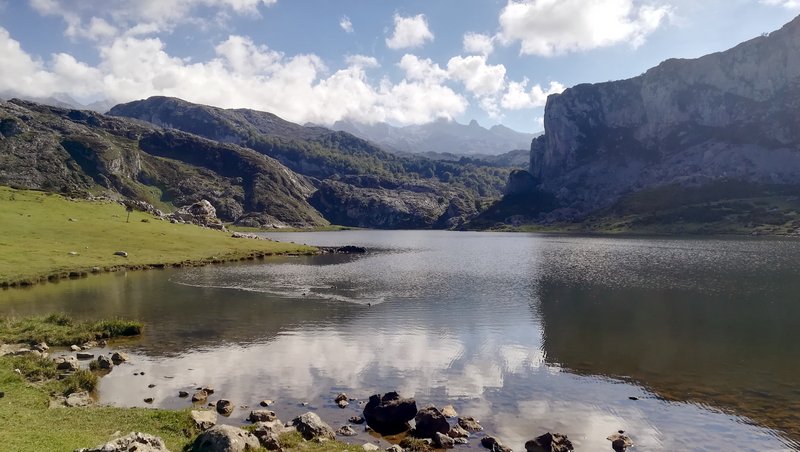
549, 442
135, 441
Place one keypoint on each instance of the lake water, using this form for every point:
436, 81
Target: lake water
528, 333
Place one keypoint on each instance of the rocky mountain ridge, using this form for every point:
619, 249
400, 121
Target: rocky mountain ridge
731, 115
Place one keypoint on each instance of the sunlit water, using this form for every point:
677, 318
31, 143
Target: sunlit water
528, 333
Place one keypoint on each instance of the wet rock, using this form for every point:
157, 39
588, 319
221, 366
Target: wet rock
104, 363
78, 399
267, 402
224, 407
460, 440
346, 430
443, 441
356, 420
429, 421
119, 357
68, 363
183, 394
549, 442
449, 411
151, 386
620, 442
389, 414
225, 438
341, 400
208, 389
199, 396
311, 426
148, 400
469, 424
135, 441
204, 419
84, 355
457, 431
261, 416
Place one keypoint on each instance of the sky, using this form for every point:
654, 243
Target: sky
321, 61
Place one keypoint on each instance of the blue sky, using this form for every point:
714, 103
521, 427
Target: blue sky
320, 61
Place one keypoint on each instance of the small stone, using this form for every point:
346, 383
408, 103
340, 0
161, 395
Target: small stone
151, 386
549, 442
633, 398
449, 411
457, 432
73, 253
74, 348
342, 403
460, 440
346, 430
41, 347
199, 396
356, 419
2, 394
183, 394
208, 389
224, 407
204, 419
120, 253
469, 424
342, 396
84, 355
443, 441
395, 448
119, 357
620, 442
266, 402
104, 363
148, 400
261, 416
370, 446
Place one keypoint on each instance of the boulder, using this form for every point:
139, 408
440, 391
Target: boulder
457, 432
443, 441
261, 416
346, 430
224, 407
311, 426
493, 444
549, 442
429, 421
389, 414
119, 357
469, 424
135, 441
204, 419
69, 363
104, 363
449, 411
225, 438
201, 213
620, 442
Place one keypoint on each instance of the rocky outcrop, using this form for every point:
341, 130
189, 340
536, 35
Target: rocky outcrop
389, 414
201, 213
730, 115
135, 441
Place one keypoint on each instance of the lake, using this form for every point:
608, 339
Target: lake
686, 344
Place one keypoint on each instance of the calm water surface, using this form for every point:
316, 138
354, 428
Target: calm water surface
528, 333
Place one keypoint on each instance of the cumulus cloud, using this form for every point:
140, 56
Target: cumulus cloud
518, 97
553, 27
409, 32
346, 25
102, 19
241, 74
478, 43
421, 69
479, 78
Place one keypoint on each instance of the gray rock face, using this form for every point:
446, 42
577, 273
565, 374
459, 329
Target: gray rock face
389, 414
429, 421
135, 441
311, 426
728, 115
225, 438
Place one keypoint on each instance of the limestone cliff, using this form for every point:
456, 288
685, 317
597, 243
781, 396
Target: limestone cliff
732, 115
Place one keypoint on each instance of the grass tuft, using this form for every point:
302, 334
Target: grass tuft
60, 329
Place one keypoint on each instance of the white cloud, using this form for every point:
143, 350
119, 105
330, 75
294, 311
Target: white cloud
242, 74
478, 43
518, 97
409, 32
789, 4
478, 77
140, 16
553, 27
346, 24
417, 68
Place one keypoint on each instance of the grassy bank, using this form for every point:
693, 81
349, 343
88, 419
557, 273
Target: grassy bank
329, 228
60, 329
46, 236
